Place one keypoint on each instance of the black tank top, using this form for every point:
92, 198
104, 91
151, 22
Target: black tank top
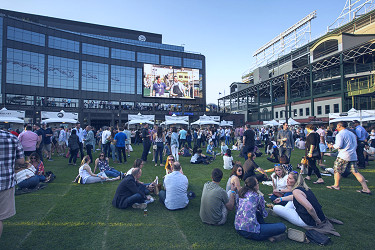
302, 212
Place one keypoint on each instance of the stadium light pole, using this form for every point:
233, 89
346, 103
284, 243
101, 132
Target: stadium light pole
286, 97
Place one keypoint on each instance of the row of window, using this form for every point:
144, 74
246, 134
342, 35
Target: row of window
27, 68
327, 110
35, 38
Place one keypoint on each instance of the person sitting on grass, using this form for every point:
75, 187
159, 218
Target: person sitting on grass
303, 209
250, 166
228, 159
129, 193
39, 167
279, 183
223, 148
174, 196
146, 187
199, 158
210, 149
249, 220
103, 164
88, 177
185, 151
215, 202
25, 176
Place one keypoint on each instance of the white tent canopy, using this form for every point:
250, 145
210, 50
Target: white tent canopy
199, 122
171, 120
291, 121
140, 119
12, 116
271, 123
225, 123
59, 117
353, 114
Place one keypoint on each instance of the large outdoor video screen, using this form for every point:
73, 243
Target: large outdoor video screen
170, 82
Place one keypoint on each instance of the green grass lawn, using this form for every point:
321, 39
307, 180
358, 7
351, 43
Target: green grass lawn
66, 215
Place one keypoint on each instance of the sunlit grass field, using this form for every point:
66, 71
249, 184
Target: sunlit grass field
67, 215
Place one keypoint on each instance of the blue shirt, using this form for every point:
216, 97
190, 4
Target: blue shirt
209, 149
176, 185
361, 133
183, 134
120, 139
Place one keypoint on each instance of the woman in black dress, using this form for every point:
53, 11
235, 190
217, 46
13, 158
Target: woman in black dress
312, 153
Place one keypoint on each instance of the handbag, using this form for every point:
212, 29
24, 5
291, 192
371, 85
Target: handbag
317, 237
297, 235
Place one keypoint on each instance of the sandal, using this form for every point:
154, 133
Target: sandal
318, 182
308, 179
363, 192
333, 187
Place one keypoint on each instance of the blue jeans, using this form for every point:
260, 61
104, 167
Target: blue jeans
135, 198
159, 152
112, 172
283, 203
266, 231
42, 178
30, 183
106, 149
146, 148
227, 140
113, 150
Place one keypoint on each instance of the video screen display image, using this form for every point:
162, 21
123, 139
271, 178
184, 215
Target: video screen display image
170, 82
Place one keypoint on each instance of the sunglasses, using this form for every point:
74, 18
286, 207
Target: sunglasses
32, 157
101, 155
239, 170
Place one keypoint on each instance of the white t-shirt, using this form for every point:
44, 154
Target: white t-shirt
228, 162
280, 183
105, 135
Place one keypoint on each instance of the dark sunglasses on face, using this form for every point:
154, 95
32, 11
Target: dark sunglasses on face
32, 157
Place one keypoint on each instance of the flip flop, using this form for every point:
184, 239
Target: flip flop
333, 187
363, 192
316, 182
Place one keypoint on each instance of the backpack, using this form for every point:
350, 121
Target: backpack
318, 238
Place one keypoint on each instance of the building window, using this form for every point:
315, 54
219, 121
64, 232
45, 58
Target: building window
123, 54
281, 114
1, 53
192, 63
336, 108
294, 112
307, 111
26, 36
20, 100
94, 76
300, 112
276, 114
122, 79
147, 58
24, 67
139, 81
95, 50
327, 109
171, 60
63, 73
63, 44
319, 110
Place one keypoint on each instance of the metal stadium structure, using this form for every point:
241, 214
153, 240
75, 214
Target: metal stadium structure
332, 73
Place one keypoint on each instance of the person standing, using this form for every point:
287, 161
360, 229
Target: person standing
285, 141
62, 140
106, 143
159, 139
80, 135
312, 153
182, 133
90, 142
120, 138
28, 140
248, 141
146, 142
11, 153
322, 144
174, 143
361, 142
346, 143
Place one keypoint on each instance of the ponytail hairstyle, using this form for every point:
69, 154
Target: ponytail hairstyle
299, 181
85, 160
250, 184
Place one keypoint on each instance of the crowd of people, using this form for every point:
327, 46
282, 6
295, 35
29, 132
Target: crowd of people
22, 154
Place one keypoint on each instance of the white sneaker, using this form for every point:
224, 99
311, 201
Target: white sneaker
139, 205
151, 200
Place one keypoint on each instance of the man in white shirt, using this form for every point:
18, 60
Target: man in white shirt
80, 136
346, 143
62, 139
175, 194
322, 144
106, 133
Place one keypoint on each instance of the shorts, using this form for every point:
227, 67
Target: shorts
7, 204
28, 153
47, 147
340, 165
322, 147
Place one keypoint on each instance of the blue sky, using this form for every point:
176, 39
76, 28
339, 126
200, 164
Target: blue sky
226, 32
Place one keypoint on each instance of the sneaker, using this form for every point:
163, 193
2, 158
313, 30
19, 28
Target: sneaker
151, 200
139, 205
278, 238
